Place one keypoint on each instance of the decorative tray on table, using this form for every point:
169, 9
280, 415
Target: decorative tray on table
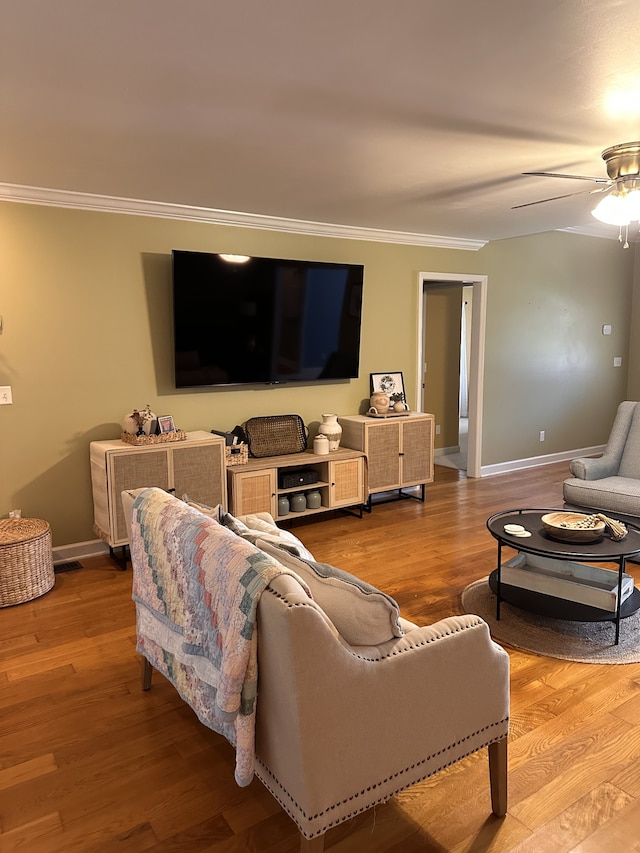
163, 438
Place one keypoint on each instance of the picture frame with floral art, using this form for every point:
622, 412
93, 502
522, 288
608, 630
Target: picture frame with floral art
392, 383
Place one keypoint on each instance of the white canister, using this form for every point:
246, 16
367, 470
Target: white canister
321, 444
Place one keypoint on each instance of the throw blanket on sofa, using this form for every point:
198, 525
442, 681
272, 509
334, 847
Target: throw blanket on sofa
196, 586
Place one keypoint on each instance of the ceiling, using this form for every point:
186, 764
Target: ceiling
415, 116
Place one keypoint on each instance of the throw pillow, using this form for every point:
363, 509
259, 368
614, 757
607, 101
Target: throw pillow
253, 527
362, 614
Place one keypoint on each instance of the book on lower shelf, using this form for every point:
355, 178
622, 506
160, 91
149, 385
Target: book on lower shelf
590, 585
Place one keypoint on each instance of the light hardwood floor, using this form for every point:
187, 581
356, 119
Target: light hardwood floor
88, 762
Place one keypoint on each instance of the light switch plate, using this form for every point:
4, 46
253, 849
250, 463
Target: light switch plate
5, 395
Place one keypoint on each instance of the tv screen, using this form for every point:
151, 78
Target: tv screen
248, 320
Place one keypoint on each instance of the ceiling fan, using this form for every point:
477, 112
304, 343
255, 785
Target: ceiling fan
621, 204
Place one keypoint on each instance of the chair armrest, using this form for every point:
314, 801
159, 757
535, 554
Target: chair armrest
415, 637
590, 468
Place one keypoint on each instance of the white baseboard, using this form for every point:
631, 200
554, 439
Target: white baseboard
446, 451
538, 461
78, 550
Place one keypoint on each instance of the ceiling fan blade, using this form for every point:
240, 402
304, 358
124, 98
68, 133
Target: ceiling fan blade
572, 177
557, 197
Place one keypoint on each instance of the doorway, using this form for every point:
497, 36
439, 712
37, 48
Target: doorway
476, 344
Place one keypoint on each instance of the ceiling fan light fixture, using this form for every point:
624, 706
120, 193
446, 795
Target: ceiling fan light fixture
620, 203
614, 209
633, 204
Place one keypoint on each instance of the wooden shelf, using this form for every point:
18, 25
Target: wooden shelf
254, 487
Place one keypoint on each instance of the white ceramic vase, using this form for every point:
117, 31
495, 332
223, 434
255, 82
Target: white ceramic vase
332, 429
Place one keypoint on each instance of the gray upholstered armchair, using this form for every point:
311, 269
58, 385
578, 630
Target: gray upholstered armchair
354, 703
610, 482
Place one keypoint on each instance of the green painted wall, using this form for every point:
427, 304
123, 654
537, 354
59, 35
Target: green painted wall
548, 366
85, 299
633, 361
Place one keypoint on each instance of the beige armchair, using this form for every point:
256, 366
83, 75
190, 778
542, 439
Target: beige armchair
611, 482
340, 726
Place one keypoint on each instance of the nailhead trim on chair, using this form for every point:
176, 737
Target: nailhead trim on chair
425, 642
385, 797
395, 652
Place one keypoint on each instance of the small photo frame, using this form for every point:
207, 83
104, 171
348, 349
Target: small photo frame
392, 383
166, 424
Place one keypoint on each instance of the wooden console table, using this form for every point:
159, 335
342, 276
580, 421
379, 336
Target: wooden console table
399, 450
254, 487
195, 466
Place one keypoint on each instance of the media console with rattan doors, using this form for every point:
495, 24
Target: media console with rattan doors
194, 466
399, 451
556, 567
255, 487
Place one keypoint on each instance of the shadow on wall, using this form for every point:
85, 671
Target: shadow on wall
156, 270
47, 497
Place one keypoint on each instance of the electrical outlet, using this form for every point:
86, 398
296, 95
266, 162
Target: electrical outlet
541, 435
5, 395
437, 429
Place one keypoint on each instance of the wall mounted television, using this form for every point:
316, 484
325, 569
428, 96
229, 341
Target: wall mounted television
246, 320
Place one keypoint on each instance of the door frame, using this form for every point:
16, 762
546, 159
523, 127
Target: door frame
479, 283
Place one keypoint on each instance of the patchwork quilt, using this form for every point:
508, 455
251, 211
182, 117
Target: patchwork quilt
196, 586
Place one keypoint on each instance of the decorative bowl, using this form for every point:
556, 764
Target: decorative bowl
573, 527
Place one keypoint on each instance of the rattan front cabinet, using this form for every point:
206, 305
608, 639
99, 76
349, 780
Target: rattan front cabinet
254, 487
399, 450
195, 466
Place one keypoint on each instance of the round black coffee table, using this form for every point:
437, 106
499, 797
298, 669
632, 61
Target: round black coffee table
541, 544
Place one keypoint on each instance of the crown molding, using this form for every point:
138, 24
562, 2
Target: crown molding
139, 207
597, 231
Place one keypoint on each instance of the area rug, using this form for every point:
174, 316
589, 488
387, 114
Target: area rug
586, 642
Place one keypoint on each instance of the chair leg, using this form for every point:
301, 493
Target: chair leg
498, 776
313, 845
147, 670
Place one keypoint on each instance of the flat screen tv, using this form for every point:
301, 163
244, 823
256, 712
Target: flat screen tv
240, 320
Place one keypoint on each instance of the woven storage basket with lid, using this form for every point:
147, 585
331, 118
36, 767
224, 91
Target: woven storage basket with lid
26, 560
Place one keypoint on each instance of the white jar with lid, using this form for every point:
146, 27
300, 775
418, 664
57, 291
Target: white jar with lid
321, 444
